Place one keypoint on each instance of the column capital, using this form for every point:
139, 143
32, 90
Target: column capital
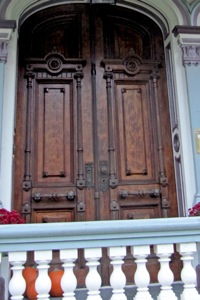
6, 29
188, 38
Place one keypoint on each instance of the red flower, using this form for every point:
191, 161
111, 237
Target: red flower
10, 217
195, 210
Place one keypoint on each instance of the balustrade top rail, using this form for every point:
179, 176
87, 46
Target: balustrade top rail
25, 237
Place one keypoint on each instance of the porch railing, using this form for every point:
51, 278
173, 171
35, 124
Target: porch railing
163, 235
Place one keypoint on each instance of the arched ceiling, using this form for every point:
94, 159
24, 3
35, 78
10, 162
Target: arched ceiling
179, 12
4, 3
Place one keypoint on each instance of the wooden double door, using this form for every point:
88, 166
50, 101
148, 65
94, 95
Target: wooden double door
92, 139
92, 135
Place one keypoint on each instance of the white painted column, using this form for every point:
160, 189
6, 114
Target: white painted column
8, 55
68, 281
188, 38
17, 284
188, 273
142, 277
93, 279
43, 281
117, 278
165, 275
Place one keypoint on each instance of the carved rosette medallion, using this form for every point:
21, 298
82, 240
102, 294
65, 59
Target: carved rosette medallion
55, 64
132, 64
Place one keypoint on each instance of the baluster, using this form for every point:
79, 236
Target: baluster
188, 273
93, 279
142, 278
17, 284
43, 282
165, 275
68, 281
117, 278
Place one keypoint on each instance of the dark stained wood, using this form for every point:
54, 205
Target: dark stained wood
93, 138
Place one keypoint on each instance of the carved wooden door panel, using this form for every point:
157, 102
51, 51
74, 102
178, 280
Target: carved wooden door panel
92, 130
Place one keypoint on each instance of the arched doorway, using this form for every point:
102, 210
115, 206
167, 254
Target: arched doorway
93, 137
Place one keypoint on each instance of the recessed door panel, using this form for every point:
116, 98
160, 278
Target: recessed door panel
135, 132
54, 133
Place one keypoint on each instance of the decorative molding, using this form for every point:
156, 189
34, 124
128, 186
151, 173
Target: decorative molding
188, 38
191, 54
3, 50
6, 29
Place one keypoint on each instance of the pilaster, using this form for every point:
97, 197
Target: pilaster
6, 30
188, 37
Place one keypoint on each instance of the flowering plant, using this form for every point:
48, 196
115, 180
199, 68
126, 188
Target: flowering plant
195, 210
10, 217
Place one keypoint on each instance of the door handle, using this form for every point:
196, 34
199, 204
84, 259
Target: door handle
139, 193
37, 197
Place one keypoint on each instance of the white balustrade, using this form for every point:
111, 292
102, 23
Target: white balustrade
165, 275
68, 281
92, 237
93, 279
117, 278
188, 274
142, 277
17, 284
43, 281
